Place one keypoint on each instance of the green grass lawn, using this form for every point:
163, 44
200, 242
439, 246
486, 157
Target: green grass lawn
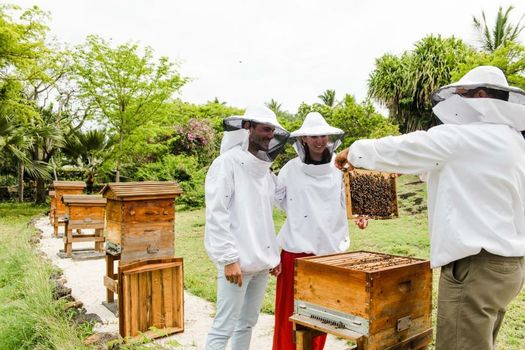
406, 235
29, 317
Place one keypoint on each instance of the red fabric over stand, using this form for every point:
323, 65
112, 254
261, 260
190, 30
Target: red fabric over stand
284, 306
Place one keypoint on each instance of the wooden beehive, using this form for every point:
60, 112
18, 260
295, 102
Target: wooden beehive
84, 212
371, 193
140, 218
387, 297
151, 294
61, 188
52, 206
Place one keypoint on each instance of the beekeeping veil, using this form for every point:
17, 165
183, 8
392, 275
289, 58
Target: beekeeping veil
237, 132
452, 107
315, 125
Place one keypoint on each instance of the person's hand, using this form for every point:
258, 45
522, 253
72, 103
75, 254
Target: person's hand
233, 273
341, 161
276, 271
361, 222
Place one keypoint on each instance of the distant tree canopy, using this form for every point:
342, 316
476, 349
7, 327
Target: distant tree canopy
103, 111
403, 84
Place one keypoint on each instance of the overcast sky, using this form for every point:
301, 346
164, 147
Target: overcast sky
247, 52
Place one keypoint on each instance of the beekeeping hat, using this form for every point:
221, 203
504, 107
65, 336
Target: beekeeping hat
452, 108
236, 132
489, 77
315, 125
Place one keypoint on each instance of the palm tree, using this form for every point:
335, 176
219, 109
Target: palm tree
274, 106
503, 31
328, 98
88, 151
404, 84
16, 142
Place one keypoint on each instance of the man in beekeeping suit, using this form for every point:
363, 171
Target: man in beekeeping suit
475, 163
311, 191
239, 233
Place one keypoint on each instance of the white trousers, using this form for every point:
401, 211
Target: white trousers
237, 310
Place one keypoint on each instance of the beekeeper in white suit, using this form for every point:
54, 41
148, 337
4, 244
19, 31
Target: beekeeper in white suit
476, 200
239, 232
311, 191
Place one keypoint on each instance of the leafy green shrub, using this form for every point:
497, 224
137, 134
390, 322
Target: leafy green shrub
184, 169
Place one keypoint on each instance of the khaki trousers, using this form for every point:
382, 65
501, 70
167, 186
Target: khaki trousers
473, 294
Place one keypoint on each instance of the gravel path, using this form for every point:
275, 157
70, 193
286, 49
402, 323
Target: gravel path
85, 277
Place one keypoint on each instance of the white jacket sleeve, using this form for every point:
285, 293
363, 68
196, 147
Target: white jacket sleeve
413, 153
219, 192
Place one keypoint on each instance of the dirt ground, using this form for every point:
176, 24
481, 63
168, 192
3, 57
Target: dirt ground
85, 278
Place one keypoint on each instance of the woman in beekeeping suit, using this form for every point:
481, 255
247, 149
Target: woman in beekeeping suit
311, 191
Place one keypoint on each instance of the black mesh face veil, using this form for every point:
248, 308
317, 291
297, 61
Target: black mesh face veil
276, 145
514, 95
301, 147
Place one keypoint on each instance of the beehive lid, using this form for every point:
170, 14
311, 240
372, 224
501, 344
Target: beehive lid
69, 184
141, 190
365, 261
83, 199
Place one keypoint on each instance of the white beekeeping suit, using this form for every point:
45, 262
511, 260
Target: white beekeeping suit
313, 195
239, 189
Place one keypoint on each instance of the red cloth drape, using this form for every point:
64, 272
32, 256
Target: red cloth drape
282, 334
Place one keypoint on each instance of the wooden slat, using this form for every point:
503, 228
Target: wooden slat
85, 199
110, 284
167, 285
134, 313
120, 190
156, 298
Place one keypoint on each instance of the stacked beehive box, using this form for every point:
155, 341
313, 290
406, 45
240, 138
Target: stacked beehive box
379, 300
61, 188
140, 218
83, 212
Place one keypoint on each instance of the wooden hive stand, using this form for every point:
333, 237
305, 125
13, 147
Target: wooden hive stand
84, 212
52, 206
61, 188
140, 226
381, 301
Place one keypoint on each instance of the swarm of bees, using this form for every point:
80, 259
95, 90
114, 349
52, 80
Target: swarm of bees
373, 194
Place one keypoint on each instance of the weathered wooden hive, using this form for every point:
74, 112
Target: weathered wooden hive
84, 212
371, 193
61, 188
52, 206
380, 300
140, 218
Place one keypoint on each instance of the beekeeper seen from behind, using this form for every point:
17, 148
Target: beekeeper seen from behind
476, 200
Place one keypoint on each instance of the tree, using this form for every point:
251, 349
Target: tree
404, 84
126, 89
501, 33
274, 106
88, 150
328, 97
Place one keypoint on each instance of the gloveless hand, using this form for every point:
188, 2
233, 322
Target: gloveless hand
233, 273
341, 161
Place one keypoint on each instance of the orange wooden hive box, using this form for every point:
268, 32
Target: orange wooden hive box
84, 212
380, 300
140, 219
61, 188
